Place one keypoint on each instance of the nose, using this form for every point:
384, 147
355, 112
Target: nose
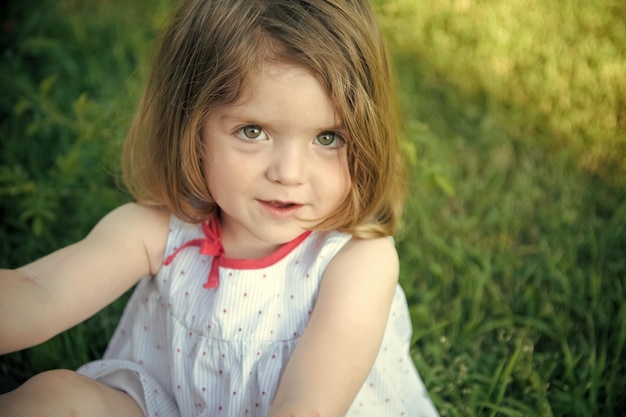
287, 164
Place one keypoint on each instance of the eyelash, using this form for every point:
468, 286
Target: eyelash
242, 135
337, 142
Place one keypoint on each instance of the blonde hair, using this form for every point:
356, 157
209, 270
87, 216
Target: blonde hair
204, 59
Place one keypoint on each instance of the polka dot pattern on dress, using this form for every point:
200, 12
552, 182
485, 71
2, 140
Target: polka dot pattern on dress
221, 351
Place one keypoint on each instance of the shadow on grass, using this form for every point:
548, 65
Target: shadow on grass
513, 263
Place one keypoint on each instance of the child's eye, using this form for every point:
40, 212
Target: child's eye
329, 139
251, 132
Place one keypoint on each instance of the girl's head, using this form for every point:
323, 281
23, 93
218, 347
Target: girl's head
206, 58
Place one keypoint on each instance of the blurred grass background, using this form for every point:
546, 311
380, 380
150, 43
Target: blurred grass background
514, 249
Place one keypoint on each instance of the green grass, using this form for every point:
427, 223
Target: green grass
562, 63
513, 252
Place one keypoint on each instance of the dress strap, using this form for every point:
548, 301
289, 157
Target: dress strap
210, 245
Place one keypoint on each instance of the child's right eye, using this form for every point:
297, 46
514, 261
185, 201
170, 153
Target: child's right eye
251, 132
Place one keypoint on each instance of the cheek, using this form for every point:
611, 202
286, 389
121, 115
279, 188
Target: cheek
227, 173
342, 179
213, 173
216, 176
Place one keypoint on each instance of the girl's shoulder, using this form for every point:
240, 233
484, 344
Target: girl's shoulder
347, 258
137, 225
369, 255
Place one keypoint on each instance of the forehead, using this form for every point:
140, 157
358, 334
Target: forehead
285, 90
270, 76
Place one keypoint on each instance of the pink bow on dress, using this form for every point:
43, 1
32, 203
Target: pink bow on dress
210, 245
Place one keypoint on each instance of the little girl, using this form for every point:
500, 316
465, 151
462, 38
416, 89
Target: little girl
265, 166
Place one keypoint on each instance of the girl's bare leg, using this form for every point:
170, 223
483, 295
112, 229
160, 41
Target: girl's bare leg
66, 393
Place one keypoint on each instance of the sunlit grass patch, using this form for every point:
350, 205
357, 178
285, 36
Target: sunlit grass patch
555, 68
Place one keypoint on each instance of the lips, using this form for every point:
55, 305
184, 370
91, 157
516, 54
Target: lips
280, 204
280, 208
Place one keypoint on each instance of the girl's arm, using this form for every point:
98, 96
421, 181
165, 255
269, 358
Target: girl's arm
341, 341
52, 294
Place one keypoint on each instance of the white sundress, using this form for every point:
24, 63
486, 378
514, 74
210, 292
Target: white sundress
210, 336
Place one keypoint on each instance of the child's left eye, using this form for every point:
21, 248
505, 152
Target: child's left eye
251, 132
329, 139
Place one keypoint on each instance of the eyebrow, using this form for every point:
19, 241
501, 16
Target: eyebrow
228, 117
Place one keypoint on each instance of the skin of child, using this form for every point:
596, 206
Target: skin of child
276, 162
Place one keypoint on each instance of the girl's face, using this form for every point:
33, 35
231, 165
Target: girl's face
275, 161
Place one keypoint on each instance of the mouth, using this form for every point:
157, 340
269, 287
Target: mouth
280, 208
280, 204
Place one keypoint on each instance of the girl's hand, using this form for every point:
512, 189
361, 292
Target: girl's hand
341, 342
62, 289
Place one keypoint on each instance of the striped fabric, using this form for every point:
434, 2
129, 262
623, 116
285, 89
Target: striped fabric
181, 349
